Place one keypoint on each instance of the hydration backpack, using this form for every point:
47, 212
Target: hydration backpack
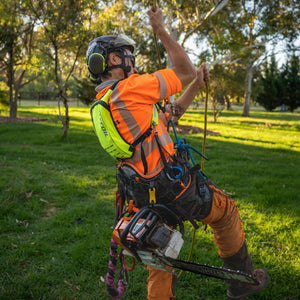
105, 128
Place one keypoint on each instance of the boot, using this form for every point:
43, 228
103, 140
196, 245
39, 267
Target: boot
241, 261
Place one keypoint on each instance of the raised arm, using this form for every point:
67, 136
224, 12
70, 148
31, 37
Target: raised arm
181, 64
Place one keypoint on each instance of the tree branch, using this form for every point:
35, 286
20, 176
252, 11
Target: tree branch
212, 12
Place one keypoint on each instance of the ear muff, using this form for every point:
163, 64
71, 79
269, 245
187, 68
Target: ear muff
96, 63
94, 79
96, 54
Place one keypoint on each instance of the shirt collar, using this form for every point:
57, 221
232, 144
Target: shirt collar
105, 84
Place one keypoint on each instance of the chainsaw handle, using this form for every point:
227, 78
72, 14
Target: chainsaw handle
129, 228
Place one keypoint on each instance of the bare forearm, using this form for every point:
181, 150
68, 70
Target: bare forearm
186, 99
181, 63
178, 108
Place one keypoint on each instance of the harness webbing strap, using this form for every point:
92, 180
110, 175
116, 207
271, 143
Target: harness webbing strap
140, 140
143, 137
160, 150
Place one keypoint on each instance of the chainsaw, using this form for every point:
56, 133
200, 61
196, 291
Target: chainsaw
151, 236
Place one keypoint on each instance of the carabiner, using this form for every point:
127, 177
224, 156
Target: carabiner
179, 175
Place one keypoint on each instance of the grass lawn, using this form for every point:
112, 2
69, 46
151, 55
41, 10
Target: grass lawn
57, 205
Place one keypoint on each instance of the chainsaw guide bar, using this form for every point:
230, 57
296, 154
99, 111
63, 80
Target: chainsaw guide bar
207, 270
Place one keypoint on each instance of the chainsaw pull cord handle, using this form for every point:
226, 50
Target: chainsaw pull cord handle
125, 265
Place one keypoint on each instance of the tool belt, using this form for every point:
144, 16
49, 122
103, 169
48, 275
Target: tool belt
181, 189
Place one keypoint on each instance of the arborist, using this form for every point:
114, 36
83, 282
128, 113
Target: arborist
154, 172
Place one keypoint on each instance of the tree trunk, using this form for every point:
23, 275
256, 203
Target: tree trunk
65, 119
14, 92
13, 104
227, 103
248, 91
13, 108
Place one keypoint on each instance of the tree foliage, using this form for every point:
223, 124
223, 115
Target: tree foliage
47, 39
291, 83
16, 55
240, 32
277, 87
63, 33
270, 86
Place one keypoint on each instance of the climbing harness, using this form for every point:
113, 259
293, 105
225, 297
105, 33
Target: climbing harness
152, 225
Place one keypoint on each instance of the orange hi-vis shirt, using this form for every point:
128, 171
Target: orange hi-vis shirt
131, 104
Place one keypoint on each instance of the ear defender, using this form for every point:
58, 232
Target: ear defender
96, 63
94, 78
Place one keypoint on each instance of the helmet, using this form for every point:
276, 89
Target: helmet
99, 48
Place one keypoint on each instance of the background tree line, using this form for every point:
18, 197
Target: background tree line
43, 44
275, 87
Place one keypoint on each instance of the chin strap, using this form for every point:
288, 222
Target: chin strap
126, 69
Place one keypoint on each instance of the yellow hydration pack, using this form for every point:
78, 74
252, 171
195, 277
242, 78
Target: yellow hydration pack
109, 137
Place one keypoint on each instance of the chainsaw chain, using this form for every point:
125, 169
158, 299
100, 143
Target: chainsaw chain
207, 270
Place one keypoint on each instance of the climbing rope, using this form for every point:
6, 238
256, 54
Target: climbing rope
202, 165
155, 2
204, 133
205, 126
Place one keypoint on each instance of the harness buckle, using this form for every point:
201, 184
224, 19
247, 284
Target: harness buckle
152, 198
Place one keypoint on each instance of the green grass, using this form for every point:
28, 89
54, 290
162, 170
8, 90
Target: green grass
57, 205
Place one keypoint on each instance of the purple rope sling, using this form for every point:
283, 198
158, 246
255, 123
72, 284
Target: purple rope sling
112, 291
